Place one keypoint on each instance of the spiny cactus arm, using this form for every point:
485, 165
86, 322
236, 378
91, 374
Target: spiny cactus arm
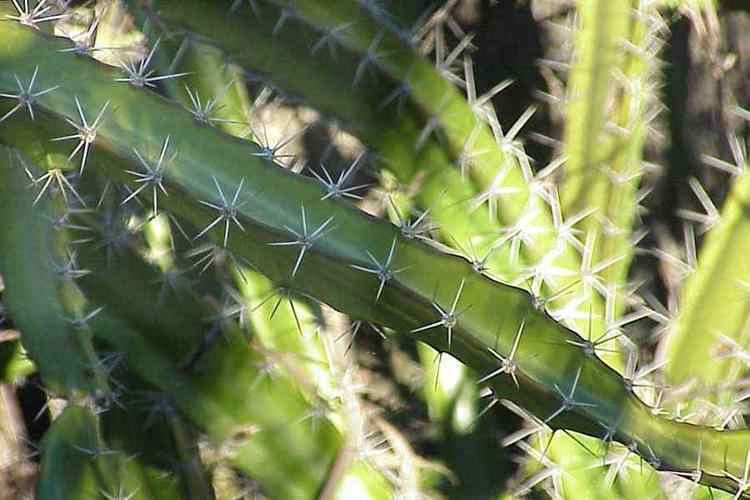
324, 80
609, 105
159, 359
544, 250
714, 317
269, 412
38, 274
280, 321
76, 463
73, 319
606, 104
244, 28
175, 342
598, 53
557, 379
493, 159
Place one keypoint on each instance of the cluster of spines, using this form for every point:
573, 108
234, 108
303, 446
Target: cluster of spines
150, 180
521, 236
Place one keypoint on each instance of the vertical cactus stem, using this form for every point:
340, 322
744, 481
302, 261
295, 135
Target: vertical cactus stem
615, 63
715, 298
33, 252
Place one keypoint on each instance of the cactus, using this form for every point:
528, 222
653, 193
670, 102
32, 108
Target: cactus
131, 172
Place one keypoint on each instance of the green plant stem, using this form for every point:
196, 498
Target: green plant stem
549, 364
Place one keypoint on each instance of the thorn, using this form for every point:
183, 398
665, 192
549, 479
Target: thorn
330, 39
202, 111
711, 216
410, 229
25, 96
153, 178
743, 483
438, 359
228, 211
336, 189
507, 365
32, 17
119, 494
369, 59
271, 153
448, 318
568, 400
80, 321
478, 264
286, 14
55, 175
210, 254
382, 270
434, 125
138, 73
305, 240
86, 134
590, 346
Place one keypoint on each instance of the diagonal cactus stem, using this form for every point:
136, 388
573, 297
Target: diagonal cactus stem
364, 110
551, 369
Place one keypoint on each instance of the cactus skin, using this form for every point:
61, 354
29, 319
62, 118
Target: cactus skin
614, 45
284, 58
612, 86
715, 298
545, 358
40, 310
71, 468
